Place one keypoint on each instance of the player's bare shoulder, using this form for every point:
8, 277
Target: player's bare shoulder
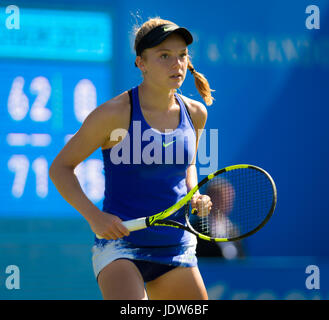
198, 112
116, 114
116, 110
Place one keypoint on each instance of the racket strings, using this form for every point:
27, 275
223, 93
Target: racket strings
241, 199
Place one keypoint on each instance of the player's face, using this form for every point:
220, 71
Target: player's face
166, 64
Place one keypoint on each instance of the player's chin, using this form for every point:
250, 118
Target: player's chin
176, 83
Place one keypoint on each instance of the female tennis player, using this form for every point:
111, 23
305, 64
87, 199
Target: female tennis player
154, 263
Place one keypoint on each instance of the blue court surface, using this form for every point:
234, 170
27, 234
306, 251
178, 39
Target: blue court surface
54, 262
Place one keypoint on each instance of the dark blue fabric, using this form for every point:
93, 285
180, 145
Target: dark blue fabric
151, 270
135, 187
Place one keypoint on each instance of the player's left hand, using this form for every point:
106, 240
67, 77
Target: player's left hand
202, 204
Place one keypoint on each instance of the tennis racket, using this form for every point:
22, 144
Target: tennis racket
243, 200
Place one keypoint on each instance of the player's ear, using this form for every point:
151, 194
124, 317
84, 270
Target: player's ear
139, 62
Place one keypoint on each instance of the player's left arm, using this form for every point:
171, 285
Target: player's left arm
198, 113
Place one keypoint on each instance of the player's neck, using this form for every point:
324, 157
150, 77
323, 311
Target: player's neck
152, 97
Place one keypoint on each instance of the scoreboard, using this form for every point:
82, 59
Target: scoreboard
54, 70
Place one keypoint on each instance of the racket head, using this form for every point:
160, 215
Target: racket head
244, 199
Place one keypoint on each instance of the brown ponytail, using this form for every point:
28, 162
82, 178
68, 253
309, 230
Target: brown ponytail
201, 84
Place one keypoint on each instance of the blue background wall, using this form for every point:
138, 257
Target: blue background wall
271, 76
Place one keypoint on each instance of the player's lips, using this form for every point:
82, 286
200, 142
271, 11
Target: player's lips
177, 76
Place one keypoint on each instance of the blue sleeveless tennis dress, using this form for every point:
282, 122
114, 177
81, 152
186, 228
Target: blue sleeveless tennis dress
145, 173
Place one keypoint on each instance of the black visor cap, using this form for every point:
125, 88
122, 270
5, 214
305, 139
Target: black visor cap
161, 33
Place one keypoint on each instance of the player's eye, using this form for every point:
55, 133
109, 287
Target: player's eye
164, 56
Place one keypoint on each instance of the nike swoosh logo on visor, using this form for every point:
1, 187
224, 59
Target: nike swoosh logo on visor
165, 29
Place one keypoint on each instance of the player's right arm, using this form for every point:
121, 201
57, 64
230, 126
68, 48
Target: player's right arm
94, 133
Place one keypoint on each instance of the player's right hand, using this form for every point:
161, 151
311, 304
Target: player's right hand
108, 226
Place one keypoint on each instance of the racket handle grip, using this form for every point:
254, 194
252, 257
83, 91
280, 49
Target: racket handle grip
135, 224
132, 225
